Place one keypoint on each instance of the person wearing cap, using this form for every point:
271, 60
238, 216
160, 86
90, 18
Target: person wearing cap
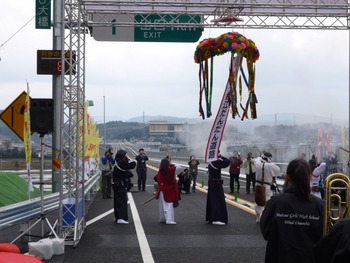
121, 178
266, 172
141, 169
106, 182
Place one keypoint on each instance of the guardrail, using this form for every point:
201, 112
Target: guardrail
21, 212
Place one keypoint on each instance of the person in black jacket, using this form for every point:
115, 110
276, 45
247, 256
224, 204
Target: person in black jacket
121, 177
292, 222
335, 246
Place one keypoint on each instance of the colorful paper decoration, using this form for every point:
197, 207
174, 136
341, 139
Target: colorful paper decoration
234, 43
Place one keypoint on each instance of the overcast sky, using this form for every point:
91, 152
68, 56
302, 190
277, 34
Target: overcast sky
303, 71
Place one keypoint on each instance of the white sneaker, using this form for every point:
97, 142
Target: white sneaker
219, 223
122, 221
171, 223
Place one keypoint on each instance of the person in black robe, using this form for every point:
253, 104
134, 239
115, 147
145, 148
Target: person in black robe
216, 211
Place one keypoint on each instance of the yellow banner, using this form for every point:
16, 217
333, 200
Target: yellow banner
26, 139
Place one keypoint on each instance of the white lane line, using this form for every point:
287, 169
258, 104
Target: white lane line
99, 217
144, 246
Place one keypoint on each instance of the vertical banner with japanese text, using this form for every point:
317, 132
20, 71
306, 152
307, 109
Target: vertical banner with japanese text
27, 139
319, 144
217, 130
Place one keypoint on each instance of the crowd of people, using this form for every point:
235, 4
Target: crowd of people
291, 222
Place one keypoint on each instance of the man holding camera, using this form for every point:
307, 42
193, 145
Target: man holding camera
107, 164
141, 169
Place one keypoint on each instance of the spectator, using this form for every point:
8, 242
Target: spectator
107, 164
141, 169
193, 166
184, 181
249, 167
235, 163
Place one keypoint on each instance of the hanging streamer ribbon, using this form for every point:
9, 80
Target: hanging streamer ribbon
236, 44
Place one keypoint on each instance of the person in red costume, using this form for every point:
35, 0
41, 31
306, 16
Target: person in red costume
168, 192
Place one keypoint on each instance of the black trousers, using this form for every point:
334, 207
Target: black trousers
106, 186
120, 203
250, 179
234, 177
141, 180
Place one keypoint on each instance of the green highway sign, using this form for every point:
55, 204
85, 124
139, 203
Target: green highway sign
43, 14
163, 33
158, 31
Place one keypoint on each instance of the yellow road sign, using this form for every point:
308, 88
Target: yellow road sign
13, 115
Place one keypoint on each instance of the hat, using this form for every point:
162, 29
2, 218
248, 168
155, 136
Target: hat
120, 153
266, 156
141, 149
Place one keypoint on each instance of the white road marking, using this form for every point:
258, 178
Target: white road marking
144, 246
140, 233
99, 217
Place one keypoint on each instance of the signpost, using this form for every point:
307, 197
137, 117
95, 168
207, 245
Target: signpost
13, 115
158, 33
43, 14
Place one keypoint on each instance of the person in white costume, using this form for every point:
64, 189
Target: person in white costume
264, 165
315, 179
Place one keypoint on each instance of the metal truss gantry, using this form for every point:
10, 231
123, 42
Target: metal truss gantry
80, 16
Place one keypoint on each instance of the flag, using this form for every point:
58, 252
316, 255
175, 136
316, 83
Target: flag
217, 130
328, 142
319, 144
343, 143
27, 139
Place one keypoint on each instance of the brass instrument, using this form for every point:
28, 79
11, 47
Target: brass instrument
336, 200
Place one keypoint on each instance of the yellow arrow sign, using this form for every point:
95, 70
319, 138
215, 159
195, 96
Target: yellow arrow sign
13, 115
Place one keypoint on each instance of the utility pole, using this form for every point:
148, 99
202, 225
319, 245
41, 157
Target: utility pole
57, 41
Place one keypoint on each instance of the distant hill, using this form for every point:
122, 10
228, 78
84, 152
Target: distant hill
248, 125
147, 119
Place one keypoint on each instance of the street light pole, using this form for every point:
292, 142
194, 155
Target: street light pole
104, 122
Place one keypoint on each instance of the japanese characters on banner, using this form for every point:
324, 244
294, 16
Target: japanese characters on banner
328, 142
319, 144
92, 142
